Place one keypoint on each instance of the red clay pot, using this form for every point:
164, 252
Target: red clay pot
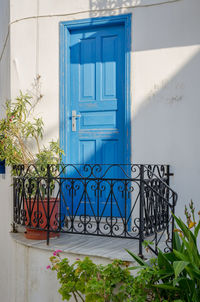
35, 234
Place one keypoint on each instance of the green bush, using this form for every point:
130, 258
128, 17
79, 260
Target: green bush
21, 132
171, 277
89, 282
176, 275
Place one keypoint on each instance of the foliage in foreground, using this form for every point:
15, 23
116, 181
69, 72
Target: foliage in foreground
21, 132
86, 281
89, 282
176, 275
171, 277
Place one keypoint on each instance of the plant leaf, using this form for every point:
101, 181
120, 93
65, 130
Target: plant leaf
179, 267
163, 263
166, 286
185, 229
180, 255
176, 241
171, 256
196, 231
137, 259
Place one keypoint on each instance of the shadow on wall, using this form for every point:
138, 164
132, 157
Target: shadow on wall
166, 122
165, 129
98, 7
167, 25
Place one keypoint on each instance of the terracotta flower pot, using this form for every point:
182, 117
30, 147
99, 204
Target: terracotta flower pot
38, 218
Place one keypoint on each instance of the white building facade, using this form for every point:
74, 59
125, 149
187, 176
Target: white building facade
163, 89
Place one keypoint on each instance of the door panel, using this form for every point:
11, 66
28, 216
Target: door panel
97, 91
97, 75
87, 48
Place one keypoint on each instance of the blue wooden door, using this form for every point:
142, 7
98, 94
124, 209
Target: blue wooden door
96, 110
97, 94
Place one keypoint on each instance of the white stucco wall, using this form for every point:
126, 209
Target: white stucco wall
165, 93
165, 64
34, 282
4, 52
5, 189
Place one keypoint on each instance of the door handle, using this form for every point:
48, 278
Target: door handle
74, 118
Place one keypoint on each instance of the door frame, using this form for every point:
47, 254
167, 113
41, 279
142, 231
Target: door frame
64, 62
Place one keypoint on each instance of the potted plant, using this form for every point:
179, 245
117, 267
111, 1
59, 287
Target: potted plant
20, 134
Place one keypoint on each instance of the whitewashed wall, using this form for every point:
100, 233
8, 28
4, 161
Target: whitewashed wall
165, 74
33, 281
5, 191
165, 94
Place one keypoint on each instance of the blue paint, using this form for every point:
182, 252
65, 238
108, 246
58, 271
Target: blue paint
2, 167
95, 81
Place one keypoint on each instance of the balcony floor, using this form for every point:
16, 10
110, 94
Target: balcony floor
86, 245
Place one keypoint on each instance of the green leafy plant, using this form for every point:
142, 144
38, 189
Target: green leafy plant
21, 132
175, 276
89, 282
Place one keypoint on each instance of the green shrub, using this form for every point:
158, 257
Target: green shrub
21, 132
171, 277
89, 282
176, 275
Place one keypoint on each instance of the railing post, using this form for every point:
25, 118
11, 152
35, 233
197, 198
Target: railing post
168, 174
141, 226
173, 211
14, 192
48, 201
167, 196
14, 206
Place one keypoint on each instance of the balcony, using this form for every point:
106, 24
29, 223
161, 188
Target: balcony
122, 201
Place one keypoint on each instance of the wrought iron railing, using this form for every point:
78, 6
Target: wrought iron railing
124, 201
